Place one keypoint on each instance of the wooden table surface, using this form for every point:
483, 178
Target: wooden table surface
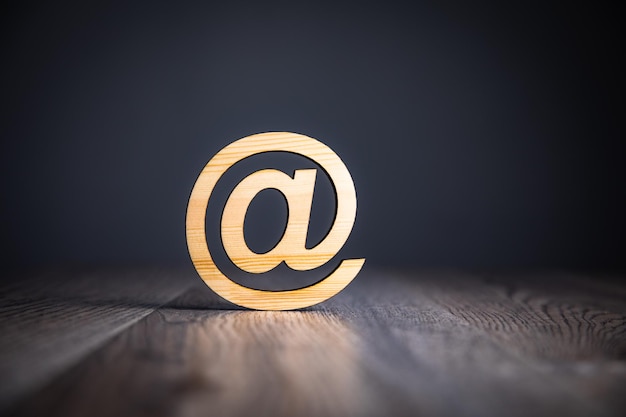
157, 342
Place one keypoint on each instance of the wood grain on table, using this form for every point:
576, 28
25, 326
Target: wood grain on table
159, 343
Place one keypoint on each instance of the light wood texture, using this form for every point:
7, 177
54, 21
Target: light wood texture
391, 344
52, 319
291, 249
298, 191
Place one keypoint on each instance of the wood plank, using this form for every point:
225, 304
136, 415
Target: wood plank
52, 319
438, 344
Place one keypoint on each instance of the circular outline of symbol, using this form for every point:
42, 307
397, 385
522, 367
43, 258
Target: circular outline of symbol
344, 220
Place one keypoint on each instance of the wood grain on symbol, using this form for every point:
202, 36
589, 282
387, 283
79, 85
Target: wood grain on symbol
299, 193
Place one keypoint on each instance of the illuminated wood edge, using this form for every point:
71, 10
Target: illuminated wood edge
282, 300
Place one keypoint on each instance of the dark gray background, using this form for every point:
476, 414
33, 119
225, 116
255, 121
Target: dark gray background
478, 134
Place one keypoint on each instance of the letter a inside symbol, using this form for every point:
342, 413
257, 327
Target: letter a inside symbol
298, 192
